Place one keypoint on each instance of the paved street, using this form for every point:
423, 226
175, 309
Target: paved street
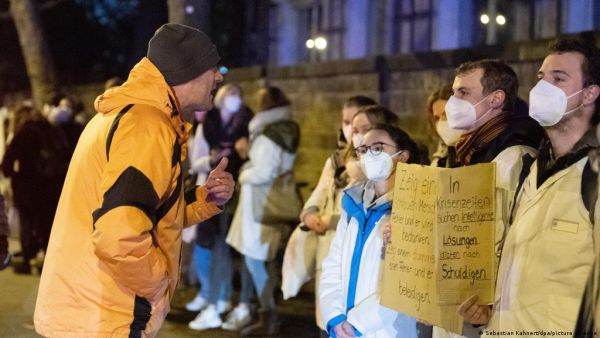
18, 294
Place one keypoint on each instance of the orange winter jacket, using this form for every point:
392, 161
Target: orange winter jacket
112, 263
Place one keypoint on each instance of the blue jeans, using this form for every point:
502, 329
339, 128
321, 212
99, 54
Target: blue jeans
214, 267
221, 264
247, 287
264, 278
202, 260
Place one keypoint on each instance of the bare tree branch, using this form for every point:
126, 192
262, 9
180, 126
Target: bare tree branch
47, 5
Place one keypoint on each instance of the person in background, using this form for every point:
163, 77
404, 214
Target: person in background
350, 279
62, 115
322, 209
36, 161
549, 251
274, 140
188, 235
4, 233
222, 128
365, 118
445, 155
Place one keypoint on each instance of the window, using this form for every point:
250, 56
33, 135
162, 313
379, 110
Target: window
326, 18
546, 18
412, 26
274, 24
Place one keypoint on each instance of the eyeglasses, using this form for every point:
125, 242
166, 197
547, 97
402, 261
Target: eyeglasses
375, 148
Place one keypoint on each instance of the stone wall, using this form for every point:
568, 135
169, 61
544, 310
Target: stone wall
402, 83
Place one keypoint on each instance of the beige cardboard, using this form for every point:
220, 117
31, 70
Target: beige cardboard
442, 246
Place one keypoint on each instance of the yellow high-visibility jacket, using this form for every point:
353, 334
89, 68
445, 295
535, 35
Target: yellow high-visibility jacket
112, 263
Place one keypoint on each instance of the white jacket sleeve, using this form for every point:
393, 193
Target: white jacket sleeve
264, 161
331, 297
368, 316
318, 197
200, 154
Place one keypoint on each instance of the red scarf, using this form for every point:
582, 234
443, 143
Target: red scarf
476, 140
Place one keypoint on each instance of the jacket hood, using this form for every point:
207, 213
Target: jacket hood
145, 85
264, 118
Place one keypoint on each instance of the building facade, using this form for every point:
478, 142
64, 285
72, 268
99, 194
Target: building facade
360, 28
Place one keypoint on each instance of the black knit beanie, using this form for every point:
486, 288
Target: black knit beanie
181, 53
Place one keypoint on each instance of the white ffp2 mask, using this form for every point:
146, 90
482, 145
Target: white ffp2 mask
232, 103
378, 167
461, 113
548, 103
448, 135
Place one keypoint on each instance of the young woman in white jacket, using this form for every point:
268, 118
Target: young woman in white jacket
268, 158
349, 285
322, 210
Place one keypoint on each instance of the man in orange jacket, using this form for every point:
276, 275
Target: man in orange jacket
112, 264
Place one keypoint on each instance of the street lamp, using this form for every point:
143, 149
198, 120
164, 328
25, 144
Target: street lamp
316, 47
321, 43
485, 19
501, 20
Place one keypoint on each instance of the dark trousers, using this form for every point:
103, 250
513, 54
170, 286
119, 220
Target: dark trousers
35, 229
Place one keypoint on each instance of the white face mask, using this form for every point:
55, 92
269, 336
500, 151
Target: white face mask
232, 103
377, 167
357, 140
449, 136
347, 131
60, 115
548, 103
461, 113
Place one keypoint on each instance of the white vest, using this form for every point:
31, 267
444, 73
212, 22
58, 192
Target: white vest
547, 256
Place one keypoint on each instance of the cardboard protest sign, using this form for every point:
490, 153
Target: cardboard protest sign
442, 247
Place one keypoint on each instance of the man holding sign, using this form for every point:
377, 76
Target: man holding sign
483, 106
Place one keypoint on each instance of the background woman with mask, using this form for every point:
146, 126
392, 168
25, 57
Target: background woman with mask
222, 128
363, 121
351, 272
445, 155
